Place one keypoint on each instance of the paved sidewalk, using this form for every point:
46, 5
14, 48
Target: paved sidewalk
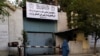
70, 55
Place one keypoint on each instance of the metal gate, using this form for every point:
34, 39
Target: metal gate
39, 39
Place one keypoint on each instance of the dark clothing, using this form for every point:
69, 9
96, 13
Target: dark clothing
65, 48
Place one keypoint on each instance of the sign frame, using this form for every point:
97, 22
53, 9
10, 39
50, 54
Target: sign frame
41, 11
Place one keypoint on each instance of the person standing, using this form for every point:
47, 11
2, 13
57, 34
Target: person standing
65, 48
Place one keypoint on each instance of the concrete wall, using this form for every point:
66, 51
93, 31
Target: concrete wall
59, 41
91, 41
85, 43
15, 28
80, 44
16, 25
62, 22
61, 26
75, 47
3, 36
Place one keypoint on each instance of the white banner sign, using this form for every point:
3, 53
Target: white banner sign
41, 11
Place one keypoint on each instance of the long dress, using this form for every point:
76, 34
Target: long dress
65, 48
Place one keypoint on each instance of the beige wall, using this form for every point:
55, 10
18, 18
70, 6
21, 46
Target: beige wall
75, 47
85, 43
81, 44
15, 27
61, 26
3, 36
62, 22
80, 37
59, 41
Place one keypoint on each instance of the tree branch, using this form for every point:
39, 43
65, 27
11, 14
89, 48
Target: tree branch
97, 38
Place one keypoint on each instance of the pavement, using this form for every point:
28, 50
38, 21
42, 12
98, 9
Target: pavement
71, 55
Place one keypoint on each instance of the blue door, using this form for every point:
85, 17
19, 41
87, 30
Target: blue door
40, 39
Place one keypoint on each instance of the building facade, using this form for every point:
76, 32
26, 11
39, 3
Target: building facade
11, 30
39, 27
